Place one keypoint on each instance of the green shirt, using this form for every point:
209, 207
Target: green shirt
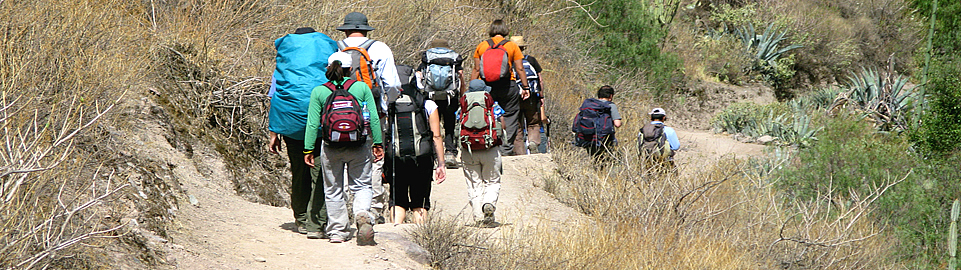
317, 98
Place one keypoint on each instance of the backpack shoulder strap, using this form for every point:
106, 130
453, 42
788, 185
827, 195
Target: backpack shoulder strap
341, 45
490, 43
366, 45
501, 44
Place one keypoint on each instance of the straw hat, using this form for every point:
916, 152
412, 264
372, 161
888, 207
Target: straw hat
519, 40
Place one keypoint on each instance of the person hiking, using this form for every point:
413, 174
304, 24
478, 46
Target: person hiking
595, 124
653, 137
496, 60
381, 77
479, 134
441, 76
415, 138
301, 59
335, 125
532, 108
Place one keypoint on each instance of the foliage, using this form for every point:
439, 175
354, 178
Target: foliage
774, 120
941, 129
765, 54
630, 36
881, 96
851, 158
947, 38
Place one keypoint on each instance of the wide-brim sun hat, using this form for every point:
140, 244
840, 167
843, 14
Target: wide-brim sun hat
658, 111
519, 40
343, 57
355, 21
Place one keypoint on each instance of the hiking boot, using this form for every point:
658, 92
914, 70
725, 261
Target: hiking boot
365, 231
449, 160
488, 210
381, 220
301, 228
336, 239
315, 235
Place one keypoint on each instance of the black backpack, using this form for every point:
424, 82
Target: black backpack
409, 135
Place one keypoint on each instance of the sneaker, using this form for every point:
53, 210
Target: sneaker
488, 210
449, 160
301, 229
365, 231
315, 235
336, 239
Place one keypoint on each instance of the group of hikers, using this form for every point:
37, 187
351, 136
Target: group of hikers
352, 117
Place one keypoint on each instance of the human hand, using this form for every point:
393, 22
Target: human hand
378, 152
273, 145
309, 159
525, 93
440, 173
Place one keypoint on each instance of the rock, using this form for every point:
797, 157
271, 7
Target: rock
766, 139
193, 200
260, 259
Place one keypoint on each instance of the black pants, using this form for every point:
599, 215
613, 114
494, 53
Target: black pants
411, 178
305, 194
448, 115
508, 95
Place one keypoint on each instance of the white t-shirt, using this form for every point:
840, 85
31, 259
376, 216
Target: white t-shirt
430, 106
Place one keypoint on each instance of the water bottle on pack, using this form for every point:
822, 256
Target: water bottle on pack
366, 117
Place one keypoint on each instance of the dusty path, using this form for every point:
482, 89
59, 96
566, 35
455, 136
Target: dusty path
224, 231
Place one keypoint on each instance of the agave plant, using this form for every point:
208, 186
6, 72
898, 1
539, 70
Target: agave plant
764, 47
883, 96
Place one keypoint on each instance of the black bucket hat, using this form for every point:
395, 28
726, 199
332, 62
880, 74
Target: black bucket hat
355, 21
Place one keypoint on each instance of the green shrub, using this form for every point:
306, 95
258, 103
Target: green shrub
629, 34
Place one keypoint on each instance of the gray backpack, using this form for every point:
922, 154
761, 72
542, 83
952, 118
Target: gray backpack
440, 80
652, 143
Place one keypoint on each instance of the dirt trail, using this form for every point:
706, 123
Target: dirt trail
224, 231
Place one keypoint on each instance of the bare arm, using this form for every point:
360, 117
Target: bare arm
440, 172
617, 123
475, 73
519, 68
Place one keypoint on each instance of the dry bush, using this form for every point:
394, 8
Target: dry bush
727, 216
64, 67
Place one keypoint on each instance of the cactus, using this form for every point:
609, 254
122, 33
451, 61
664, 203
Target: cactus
953, 237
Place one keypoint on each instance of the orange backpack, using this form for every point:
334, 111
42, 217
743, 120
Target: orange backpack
362, 68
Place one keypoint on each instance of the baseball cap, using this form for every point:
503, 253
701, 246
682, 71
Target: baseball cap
658, 111
343, 57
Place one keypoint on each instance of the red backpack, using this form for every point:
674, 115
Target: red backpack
479, 127
495, 63
342, 120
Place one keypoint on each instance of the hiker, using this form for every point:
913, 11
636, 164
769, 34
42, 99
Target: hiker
479, 136
339, 116
595, 124
653, 136
301, 59
415, 139
496, 61
532, 108
374, 65
441, 76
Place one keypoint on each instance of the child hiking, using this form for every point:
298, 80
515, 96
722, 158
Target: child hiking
595, 124
335, 117
479, 137
301, 59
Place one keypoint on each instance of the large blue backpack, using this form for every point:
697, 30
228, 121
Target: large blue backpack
593, 125
301, 64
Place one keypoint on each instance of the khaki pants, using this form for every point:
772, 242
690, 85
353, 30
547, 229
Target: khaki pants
482, 170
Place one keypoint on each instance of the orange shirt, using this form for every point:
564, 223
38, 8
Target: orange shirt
513, 52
